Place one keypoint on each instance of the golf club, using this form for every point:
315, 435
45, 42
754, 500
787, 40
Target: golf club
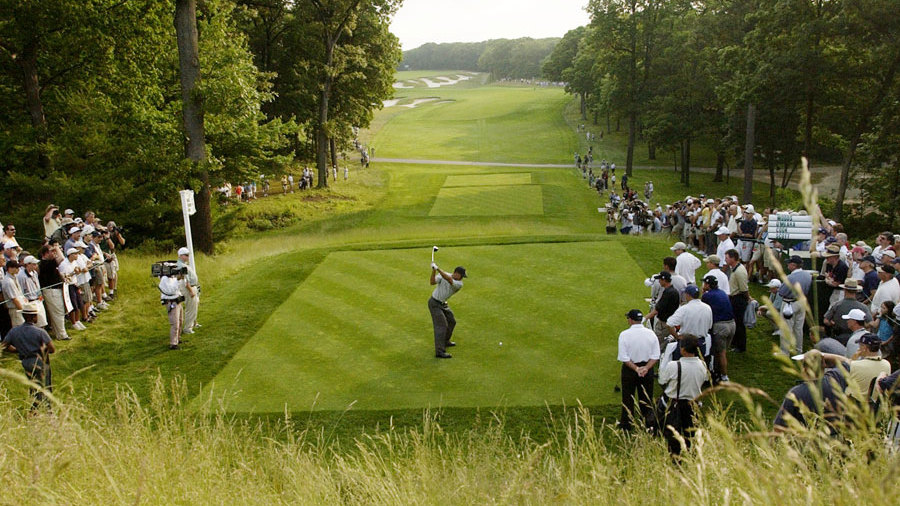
433, 249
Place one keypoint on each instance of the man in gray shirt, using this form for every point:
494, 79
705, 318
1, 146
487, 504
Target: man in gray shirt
798, 312
441, 316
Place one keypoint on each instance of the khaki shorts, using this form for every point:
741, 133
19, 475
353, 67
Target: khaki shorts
722, 333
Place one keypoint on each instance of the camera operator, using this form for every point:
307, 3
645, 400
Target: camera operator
170, 296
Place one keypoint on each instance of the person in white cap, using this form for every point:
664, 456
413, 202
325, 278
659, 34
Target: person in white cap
12, 293
74, 236
777, 302
31, 287
712, 263
69, 270
748, 230
725, 244
170, 296
686, 264
83, 280
190, 289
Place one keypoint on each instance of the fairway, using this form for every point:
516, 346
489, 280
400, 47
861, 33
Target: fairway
357, 332
488, 179
489, 201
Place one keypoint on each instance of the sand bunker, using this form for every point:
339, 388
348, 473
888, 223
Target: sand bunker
391, 103
401, 86
444, 81
418, 101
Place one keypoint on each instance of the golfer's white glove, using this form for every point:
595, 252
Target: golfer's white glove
434, 266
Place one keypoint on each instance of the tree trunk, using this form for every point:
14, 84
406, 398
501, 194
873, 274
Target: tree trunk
675, 159
321, 132
632, 132
583, 106
608, 128
749, 144
681, 154
333, 152
771, 165
618, 124
192, 118
861, 126
596, 116
720, 166
651, 150
27, 63
686, 162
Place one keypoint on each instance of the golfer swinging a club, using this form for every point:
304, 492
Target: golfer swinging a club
441, 316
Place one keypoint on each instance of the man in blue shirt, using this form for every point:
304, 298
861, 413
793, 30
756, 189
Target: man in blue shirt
870, 279
723, 325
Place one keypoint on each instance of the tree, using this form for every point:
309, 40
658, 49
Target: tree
334, 22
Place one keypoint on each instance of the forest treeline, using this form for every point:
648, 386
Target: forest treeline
91, 109
502, 58
763, 81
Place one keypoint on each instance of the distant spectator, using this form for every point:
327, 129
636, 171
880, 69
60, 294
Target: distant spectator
12, 293
52, 220
52, 289
794, 311
686, 263
9, 237
31, 287
888, 289
834, 316
739, 296
33, 346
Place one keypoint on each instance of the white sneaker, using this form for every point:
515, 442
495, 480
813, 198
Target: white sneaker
103, 306
79, 326
777, 332
187, 331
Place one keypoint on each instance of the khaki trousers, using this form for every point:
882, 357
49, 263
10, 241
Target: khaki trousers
56, 312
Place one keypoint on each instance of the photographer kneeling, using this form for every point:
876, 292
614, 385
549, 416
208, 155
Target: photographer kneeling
171, 297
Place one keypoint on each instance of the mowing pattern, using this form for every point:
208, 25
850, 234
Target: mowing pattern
489, 201
357, 332
515, 178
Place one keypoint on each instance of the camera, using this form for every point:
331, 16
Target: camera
166, 268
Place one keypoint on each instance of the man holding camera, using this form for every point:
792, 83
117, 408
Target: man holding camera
171, 297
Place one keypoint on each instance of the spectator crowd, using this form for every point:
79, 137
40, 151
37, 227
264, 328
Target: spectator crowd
701, 306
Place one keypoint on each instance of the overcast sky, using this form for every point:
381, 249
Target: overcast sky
421, 21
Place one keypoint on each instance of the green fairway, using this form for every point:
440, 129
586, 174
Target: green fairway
488, 123
488, 201
488, 179
357, 331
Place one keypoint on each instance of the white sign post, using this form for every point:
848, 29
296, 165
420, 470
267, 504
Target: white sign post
187, 209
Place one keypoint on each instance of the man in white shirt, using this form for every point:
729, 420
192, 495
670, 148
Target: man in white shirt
12, 293
686, 264
694, 317
442, 318
712, 263
683, 382
69, 270
170, 296
638, 352
888, 289
191, 291
725, 244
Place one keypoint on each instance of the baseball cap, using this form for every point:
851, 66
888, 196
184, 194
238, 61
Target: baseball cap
723, 231
74, 229
68, 211
869, 338
774, 283
678, 245
635, 314
80, 244
713, 259
183, 251
869, 258
71, 251
750, 209
855, 314
30, 260
87, 230
461, 270
889, 253
795, 259
887, 269
9, 245
692, 290
823, 230
711, 281
666, 275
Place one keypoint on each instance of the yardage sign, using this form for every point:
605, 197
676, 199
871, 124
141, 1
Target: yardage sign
790, 227
187, 202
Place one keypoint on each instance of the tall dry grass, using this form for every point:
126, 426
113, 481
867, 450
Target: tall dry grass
162, 453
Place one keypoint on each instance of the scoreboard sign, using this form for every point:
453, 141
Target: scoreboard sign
790, 227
